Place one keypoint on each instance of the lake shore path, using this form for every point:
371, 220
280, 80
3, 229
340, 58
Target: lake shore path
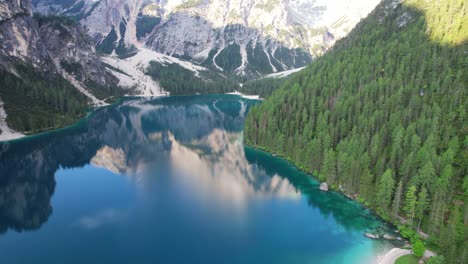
393, 254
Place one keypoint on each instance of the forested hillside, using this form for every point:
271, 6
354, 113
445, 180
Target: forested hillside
49, 70
36, 102
180, 81
262, 87
383, 118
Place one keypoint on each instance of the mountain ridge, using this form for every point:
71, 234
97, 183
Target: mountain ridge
286, 39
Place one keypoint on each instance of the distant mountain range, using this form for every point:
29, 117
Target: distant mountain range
102, 49
245, 37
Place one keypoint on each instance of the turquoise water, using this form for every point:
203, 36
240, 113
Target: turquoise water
168, 180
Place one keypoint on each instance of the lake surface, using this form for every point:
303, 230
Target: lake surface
168, 180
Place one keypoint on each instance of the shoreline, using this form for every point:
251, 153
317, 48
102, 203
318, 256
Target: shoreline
387, 256
25, 135
44, 131
392, 255
246, 96
86, 114
315, 178
6, 138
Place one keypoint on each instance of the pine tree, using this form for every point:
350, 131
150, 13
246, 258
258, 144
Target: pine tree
410, 203
421, 205
384, 194
452, 234
397, 200
328, 169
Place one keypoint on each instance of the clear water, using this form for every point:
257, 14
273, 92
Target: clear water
169, 180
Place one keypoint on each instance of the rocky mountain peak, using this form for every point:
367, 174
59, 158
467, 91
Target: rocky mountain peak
259, 36
11, 8
50, 46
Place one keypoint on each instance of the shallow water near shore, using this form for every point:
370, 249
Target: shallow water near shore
168, 180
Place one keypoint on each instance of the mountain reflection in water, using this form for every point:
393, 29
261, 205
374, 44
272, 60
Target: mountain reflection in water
128, 139
176, 151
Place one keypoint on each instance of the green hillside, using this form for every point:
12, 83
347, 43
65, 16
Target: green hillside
263, 87
383, 117
36, 102
180, 81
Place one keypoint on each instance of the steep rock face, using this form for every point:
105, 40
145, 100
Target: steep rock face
258, 36
101, 19
233, 47
48, 44
313, 25
11, 8
220, 33
73, 51
19, 39
49, 70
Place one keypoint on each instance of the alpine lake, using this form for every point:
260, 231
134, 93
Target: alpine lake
169, 180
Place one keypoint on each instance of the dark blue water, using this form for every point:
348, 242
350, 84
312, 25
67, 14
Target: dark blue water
169, 180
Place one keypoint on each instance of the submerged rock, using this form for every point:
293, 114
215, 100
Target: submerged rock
388, 237
324, 186
373, 236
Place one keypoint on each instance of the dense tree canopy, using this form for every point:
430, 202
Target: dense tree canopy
383, 117
262, 87
36, 102
178, 80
